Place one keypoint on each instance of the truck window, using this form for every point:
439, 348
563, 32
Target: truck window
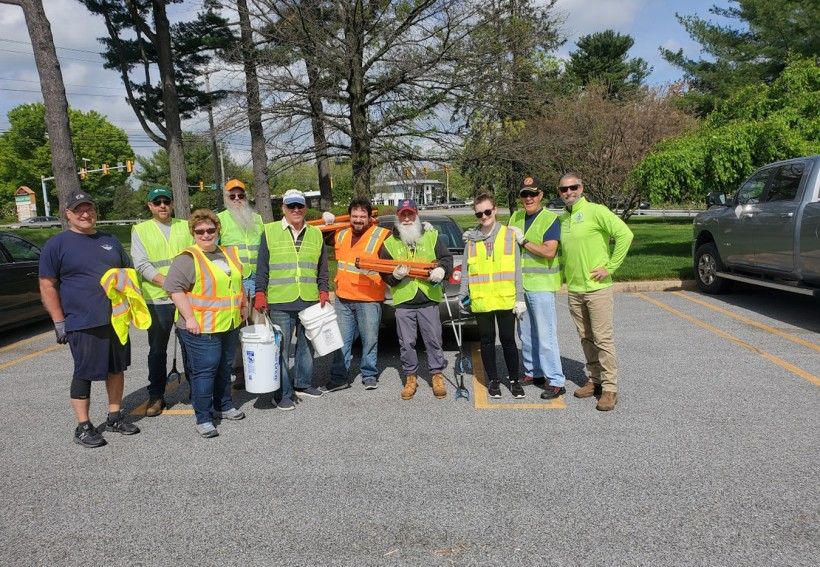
751, 192
786, 182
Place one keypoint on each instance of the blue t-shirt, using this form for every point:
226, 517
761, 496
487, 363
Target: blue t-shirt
553, 232
78, 261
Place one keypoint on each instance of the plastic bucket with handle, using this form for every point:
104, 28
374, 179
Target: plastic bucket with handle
321, 328
260, 356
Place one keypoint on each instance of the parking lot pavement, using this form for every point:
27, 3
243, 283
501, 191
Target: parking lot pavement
710, 458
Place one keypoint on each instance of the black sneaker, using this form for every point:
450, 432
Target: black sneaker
551, 392
516, 389
331, 387
88, 436
494, 389
116, 423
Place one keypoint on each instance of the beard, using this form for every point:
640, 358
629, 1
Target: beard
410, 234
243, 215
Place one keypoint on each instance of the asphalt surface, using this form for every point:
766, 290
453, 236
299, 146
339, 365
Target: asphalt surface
710, 458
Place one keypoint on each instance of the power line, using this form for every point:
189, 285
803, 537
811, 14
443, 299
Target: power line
67, 92
66, 84
61, 57
57, 46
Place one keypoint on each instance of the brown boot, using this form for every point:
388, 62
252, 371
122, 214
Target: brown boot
607, 401
588, 390
439, 390
155, 407
410, 386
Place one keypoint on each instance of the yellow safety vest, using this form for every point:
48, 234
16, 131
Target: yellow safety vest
292, 274
161, 251
491, 280
216, 297
538, 273
127, 304
425, 252
246, 241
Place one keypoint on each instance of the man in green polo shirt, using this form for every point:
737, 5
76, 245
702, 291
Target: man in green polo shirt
587, 266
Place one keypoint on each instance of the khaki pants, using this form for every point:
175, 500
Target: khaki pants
592, 313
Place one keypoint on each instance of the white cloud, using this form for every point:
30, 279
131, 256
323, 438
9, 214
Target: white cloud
585, 17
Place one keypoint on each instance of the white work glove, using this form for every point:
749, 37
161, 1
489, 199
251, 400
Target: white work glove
328, 217
427, 226
519, 234
519, 309
436, 275
400, 272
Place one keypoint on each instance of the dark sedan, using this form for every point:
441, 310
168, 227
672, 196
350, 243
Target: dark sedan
19, 283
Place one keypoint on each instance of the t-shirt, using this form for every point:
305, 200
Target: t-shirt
182, 274
553, 232
78, 261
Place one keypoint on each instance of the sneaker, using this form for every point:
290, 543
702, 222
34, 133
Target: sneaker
207, 430
155, 407
551, 392
516, 389
286, 404
232, 414
539, 382
494, 389
370, 383
88, 436
310, 392
116, 423
331, 387
527, 379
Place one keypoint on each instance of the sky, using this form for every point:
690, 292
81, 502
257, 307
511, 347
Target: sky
651, 23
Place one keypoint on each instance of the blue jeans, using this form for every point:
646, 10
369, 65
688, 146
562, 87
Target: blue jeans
357, 318
302, 372
539, 338
162, 321
209, 364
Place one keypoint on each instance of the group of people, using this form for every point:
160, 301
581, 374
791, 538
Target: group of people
202, 278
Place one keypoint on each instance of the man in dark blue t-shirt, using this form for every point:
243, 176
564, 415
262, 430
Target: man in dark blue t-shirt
71, 266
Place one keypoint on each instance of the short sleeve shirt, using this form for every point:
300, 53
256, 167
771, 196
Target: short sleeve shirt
78, 261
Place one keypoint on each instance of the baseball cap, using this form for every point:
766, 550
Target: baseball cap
78, 199
407, 205
530, 184
293, 196
234, 184
159, 192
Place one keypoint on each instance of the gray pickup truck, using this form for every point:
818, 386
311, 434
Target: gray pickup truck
768, 233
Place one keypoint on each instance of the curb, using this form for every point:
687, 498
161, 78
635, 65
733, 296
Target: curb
661, 285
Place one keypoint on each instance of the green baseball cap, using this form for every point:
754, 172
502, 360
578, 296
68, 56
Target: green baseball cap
160, 192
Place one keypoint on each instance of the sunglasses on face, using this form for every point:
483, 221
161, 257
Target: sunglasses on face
292, 206
565, 188
202, 231
160, 202
235, 196
528, 194
486, 213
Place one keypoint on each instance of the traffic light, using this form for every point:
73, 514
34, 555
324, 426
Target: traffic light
105, 169
129, 165
201, 185
83, 173
424, 170
406, 172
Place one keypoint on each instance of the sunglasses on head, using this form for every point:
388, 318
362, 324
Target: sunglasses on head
528, 193
201, 231
235, 196
292, 206
486, 213
160, 202
565, 188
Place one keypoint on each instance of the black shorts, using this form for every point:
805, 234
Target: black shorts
97, 353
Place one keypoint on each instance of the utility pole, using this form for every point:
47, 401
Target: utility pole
214, 150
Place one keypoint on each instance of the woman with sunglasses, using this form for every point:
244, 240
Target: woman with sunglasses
205, 283
492, 286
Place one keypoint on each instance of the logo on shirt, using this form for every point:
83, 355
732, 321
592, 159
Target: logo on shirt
107, 247
579, 216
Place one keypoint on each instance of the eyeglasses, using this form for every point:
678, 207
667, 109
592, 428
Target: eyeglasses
565, 188
202, 231
528, 194
486, 213
160, 202
235, 196
292, 206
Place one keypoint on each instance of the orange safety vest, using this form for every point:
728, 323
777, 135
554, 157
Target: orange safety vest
355, 283
216, 297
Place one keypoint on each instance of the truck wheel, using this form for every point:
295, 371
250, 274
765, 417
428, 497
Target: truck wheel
707, 264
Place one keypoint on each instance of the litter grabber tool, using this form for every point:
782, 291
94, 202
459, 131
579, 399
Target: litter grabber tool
174, 373
463, 365
417, 269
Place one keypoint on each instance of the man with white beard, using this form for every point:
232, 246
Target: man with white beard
243, 228
417, 300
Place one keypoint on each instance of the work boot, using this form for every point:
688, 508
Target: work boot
588, 390
607, 401
410, 386
439, 390
155, 407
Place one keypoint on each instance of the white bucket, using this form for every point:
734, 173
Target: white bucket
321, 328
260, 357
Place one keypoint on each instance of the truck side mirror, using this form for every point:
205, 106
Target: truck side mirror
716, 198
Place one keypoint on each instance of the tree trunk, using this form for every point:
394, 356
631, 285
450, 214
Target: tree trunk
319, 139
63, 160
176, 153
259, 156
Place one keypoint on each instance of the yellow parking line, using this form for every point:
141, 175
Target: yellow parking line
799, 372
481, 398
29, 356
751, 322
25, 341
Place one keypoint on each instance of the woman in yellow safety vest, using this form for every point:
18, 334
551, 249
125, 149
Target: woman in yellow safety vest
491, 289
205, 283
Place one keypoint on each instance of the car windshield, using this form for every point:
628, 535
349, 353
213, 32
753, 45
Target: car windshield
447, 228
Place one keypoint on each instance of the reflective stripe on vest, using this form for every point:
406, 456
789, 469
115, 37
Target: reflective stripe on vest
161, 251
216, 297
355, 283
538, 274
292, 274
491, 280
246, 241
425, 252
127, 303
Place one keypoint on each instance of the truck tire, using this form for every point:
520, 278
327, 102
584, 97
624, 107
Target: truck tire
707, 263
